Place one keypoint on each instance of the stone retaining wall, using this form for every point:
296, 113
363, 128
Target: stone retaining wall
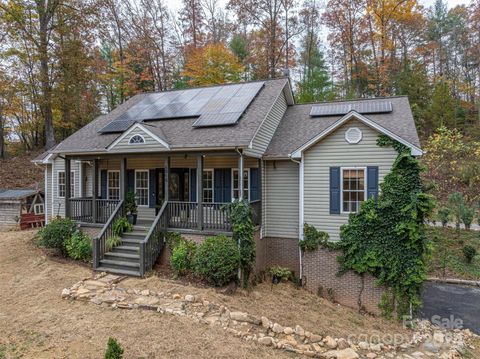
320, 270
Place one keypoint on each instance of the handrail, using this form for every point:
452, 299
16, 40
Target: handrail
152, 244
99, 242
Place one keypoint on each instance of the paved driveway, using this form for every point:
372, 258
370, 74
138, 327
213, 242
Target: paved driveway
449, 303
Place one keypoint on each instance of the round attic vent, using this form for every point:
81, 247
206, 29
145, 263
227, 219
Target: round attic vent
353, 135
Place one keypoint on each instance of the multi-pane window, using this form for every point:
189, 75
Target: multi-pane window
235, 186
207, 186
353, 189
141, 187
61, 184
113, 185
136, 139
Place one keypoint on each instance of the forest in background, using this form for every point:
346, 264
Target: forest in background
64, 62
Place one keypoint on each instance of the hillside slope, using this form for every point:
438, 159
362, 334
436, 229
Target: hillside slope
19, 172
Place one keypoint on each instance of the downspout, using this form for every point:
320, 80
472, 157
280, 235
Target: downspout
300, 210
239, 250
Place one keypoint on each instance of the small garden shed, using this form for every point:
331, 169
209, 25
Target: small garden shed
24, 207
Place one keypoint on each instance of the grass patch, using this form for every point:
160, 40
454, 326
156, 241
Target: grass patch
447, 258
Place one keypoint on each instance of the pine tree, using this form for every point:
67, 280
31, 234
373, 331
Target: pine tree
442, 107
315, 84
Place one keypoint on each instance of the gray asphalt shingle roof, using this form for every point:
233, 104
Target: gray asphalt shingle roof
298, 127
16, 193
179, 133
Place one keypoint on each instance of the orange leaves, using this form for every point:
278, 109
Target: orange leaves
212, 64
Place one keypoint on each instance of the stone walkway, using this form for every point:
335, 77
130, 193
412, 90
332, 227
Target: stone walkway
427, 342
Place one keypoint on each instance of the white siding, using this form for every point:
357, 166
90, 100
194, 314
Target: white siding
281, 199
48, 192
266, 131
9, 211
335, 151
150, 142
58, 204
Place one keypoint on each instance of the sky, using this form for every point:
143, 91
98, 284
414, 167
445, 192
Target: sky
175, 5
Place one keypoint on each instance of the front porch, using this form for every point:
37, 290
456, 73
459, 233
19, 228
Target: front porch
183, 192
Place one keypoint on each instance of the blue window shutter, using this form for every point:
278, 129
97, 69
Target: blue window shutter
254, 184
218, 185
372, 182
193, 185
227, 185
103, 184
130, 180
152, 184
335, 190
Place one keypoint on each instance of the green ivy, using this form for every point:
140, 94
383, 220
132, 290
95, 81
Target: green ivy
313, 238
387, 237
240, 215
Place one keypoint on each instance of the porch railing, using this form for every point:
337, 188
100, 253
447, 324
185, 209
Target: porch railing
100, 242
182, 214
152, 245
81, 209
215, 217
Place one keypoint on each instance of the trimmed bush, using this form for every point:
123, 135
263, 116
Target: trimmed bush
114, 349
183, 256
444, 215
173, 239
467, 214
282, 273
79, 246
218, 260
469, 252
56, 233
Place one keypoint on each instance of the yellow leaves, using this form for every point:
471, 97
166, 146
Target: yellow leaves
212, 64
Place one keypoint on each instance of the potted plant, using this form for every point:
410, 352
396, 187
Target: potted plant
131, 207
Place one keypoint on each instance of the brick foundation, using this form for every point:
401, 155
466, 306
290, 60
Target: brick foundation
278, 251
320, 270
91, 231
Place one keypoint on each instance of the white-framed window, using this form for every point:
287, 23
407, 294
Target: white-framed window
354, 189
207, 185
246, 184
39, 208
61, 184
113, 185
136, 139
141, 187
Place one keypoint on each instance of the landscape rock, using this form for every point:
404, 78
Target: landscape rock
145, 292
364, 345
299, 331
329, 342
288, 330
439, 337
277, 328
348, 353
265, 322
266, 341
189, 298
314, 338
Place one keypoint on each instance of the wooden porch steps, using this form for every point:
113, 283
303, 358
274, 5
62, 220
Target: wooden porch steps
125, 258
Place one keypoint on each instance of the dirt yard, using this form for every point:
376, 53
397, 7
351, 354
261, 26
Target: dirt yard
36, 323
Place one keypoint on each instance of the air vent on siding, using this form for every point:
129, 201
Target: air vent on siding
353, 135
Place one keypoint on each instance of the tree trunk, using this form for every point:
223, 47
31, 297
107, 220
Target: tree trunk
2, 135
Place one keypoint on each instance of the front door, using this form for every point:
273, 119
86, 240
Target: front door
178, 185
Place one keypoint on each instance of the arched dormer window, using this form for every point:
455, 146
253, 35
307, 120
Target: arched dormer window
136, 139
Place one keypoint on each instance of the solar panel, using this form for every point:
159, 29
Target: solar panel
340, 109
215, 106
217, 119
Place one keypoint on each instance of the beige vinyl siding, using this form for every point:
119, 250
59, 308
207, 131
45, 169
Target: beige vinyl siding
281, 199
150, 143
58, 204
178, 162
335, 151
267, 129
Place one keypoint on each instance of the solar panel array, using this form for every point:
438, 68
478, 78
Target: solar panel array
214, 106
363, 107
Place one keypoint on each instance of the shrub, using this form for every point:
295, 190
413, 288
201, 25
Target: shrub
130, 203
218, 259
113, 241
456, 202
467, 214
79, 246
280, 272
173, 239
121, 225
56, 233
183, 256
114, 349
312, 238
444, 215
469, 252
